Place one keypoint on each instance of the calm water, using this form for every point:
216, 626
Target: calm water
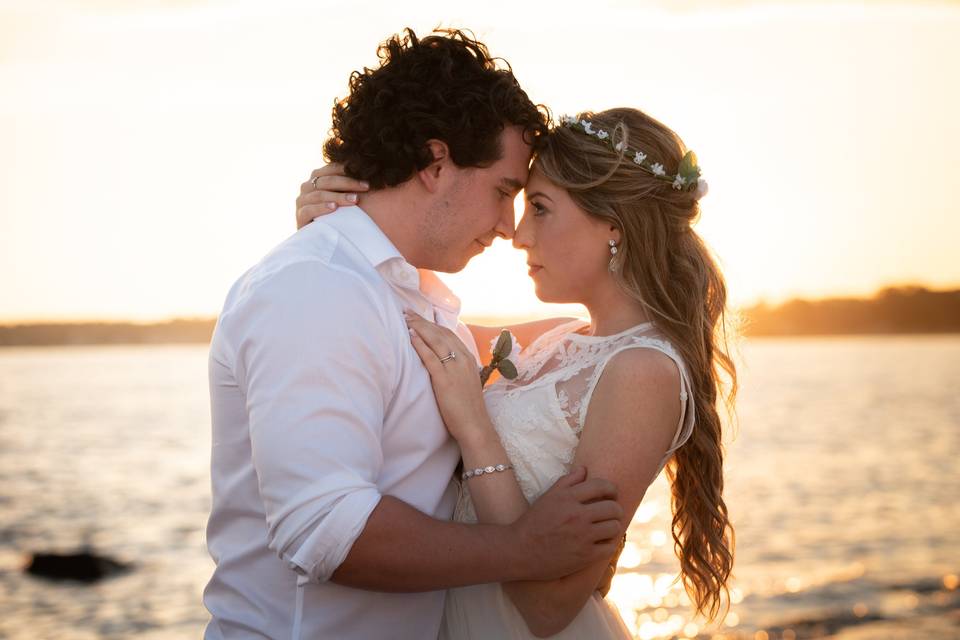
842, 483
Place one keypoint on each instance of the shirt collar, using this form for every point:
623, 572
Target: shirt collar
439, 294
370, 240
360, 229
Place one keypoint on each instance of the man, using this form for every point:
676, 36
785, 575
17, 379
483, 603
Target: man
332, 470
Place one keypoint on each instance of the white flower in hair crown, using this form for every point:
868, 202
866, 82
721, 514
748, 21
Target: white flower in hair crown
687, 177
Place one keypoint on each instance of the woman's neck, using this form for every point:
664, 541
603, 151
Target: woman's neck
613, 311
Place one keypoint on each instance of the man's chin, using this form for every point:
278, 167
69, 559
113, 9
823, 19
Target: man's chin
455, 264
452, 262
454, 268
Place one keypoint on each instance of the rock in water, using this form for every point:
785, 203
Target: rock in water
84, 566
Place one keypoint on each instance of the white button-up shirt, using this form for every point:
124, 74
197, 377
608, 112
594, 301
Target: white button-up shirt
320, 405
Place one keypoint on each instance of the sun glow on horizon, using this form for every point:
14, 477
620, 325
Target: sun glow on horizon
138, 179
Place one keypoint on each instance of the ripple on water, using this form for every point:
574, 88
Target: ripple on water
841, 483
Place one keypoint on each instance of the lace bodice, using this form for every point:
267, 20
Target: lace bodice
540, 415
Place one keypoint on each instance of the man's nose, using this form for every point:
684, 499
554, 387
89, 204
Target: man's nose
504, 227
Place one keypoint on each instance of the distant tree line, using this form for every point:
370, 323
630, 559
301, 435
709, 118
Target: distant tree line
893, 310
172, 332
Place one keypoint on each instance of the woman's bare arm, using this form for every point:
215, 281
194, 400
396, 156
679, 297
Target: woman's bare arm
624, 438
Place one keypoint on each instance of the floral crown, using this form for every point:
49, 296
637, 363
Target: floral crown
687, 177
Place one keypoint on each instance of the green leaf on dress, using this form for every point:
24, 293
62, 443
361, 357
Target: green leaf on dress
507, 369
504, 346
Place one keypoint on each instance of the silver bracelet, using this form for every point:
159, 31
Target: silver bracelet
479, 471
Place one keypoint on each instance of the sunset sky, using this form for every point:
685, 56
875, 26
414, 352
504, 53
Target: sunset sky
151, 151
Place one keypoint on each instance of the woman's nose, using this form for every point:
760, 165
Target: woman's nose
522, 238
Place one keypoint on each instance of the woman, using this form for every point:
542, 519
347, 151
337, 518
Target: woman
610, 200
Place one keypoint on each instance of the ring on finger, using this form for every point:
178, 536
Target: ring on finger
449, 356
313, 181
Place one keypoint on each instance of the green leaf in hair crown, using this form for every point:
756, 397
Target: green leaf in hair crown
504, 351
688, 167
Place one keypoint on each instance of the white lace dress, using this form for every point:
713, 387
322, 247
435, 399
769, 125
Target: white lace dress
539, 417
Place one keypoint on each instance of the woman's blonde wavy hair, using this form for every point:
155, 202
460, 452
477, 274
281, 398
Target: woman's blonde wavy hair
664, 265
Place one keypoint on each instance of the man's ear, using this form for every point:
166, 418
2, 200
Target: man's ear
433, 173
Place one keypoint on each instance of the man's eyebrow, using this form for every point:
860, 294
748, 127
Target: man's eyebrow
512, 183
539, 194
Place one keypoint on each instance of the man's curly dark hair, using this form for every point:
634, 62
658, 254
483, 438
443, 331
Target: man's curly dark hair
445, 87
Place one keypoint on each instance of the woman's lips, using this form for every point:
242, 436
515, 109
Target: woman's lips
534, 268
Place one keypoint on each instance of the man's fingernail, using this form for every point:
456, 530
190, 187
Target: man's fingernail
351, 197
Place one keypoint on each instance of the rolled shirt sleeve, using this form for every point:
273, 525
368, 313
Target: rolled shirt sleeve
318, 368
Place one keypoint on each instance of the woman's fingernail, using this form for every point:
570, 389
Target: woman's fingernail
365, 185
331, 205
351, 197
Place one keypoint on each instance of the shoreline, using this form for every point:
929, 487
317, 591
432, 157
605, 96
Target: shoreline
901, 311
71, 337
746, 337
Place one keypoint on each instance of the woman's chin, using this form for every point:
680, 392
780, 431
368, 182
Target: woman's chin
545, 295
538, 291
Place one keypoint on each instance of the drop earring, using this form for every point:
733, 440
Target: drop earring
613, 253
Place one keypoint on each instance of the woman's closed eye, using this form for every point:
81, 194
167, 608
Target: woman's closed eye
538, 208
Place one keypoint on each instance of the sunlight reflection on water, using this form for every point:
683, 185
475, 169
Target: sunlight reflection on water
841, 484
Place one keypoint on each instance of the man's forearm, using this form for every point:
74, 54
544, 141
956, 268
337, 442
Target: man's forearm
404, 550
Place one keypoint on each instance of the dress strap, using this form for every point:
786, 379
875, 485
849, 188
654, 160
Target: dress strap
687, 417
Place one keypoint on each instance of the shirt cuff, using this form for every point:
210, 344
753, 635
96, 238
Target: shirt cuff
328, 544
